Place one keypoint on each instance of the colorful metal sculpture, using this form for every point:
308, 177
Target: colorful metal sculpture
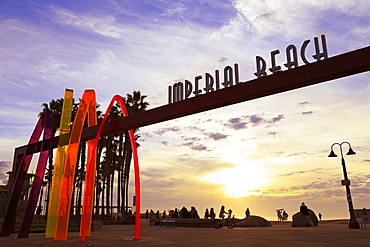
44, 124
38, 179
61, 152
64, 170
87, 107
90, 176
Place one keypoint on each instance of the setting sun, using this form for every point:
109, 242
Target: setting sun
240, 181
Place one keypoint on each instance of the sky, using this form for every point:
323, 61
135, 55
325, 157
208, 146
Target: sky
263, 154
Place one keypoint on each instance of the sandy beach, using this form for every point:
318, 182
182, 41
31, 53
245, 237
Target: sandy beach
327, 233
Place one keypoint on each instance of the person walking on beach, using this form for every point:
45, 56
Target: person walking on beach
320, 215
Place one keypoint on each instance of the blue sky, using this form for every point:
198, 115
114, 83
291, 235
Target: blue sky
263, 154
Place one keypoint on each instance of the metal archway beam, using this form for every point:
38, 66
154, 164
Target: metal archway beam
343, 65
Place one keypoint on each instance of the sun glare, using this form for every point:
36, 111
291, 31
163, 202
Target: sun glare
240, 181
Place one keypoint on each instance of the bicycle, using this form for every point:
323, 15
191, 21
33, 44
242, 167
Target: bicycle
219, 223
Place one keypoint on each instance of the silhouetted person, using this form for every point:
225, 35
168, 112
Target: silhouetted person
279, 215
247, 213
38, 212
364, 218
176, 213
194, 213
146, 214
184, 213
229, 213
222, 212
212, 214
206, 214
285, 215
320, 215
303, 209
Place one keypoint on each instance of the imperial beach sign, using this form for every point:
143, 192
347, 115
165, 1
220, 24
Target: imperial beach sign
230, 75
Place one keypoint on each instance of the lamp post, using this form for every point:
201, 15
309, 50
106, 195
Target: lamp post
353, 224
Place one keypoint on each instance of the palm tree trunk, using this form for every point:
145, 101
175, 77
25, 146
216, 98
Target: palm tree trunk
102, 197
127, 168
120, 172
111, 192
99, 171
49, 178
81, 179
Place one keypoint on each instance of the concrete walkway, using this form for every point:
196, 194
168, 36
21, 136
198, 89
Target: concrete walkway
331, 233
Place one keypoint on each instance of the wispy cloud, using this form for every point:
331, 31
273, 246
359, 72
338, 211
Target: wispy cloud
217, 136
251, 120
304, 103
105, 25
168, 129
194, 146
307, 112
164, 143
299, 172
236, 123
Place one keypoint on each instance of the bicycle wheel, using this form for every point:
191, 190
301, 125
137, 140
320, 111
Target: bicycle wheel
217, 224
230, 224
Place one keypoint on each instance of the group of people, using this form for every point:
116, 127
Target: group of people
282, 215
192, 213
183, 213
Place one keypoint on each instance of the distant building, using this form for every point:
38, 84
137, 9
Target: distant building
23, 200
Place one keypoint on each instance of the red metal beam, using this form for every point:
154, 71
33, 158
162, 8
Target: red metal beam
343, 65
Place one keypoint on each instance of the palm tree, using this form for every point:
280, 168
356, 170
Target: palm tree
55, 107
114, 154
134, 103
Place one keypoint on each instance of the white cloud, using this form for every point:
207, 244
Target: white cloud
103, 25
288, 20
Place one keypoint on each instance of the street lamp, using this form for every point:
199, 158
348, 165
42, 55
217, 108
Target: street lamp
353, 224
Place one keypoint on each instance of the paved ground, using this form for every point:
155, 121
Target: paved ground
326, 234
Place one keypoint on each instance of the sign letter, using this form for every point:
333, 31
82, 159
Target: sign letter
236, 72
217, 74
228, 76
169, 94
261, 67
303, 51
209, 83
188, 88
178, 91
324, 54
289, 63
274, 68
197, 91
